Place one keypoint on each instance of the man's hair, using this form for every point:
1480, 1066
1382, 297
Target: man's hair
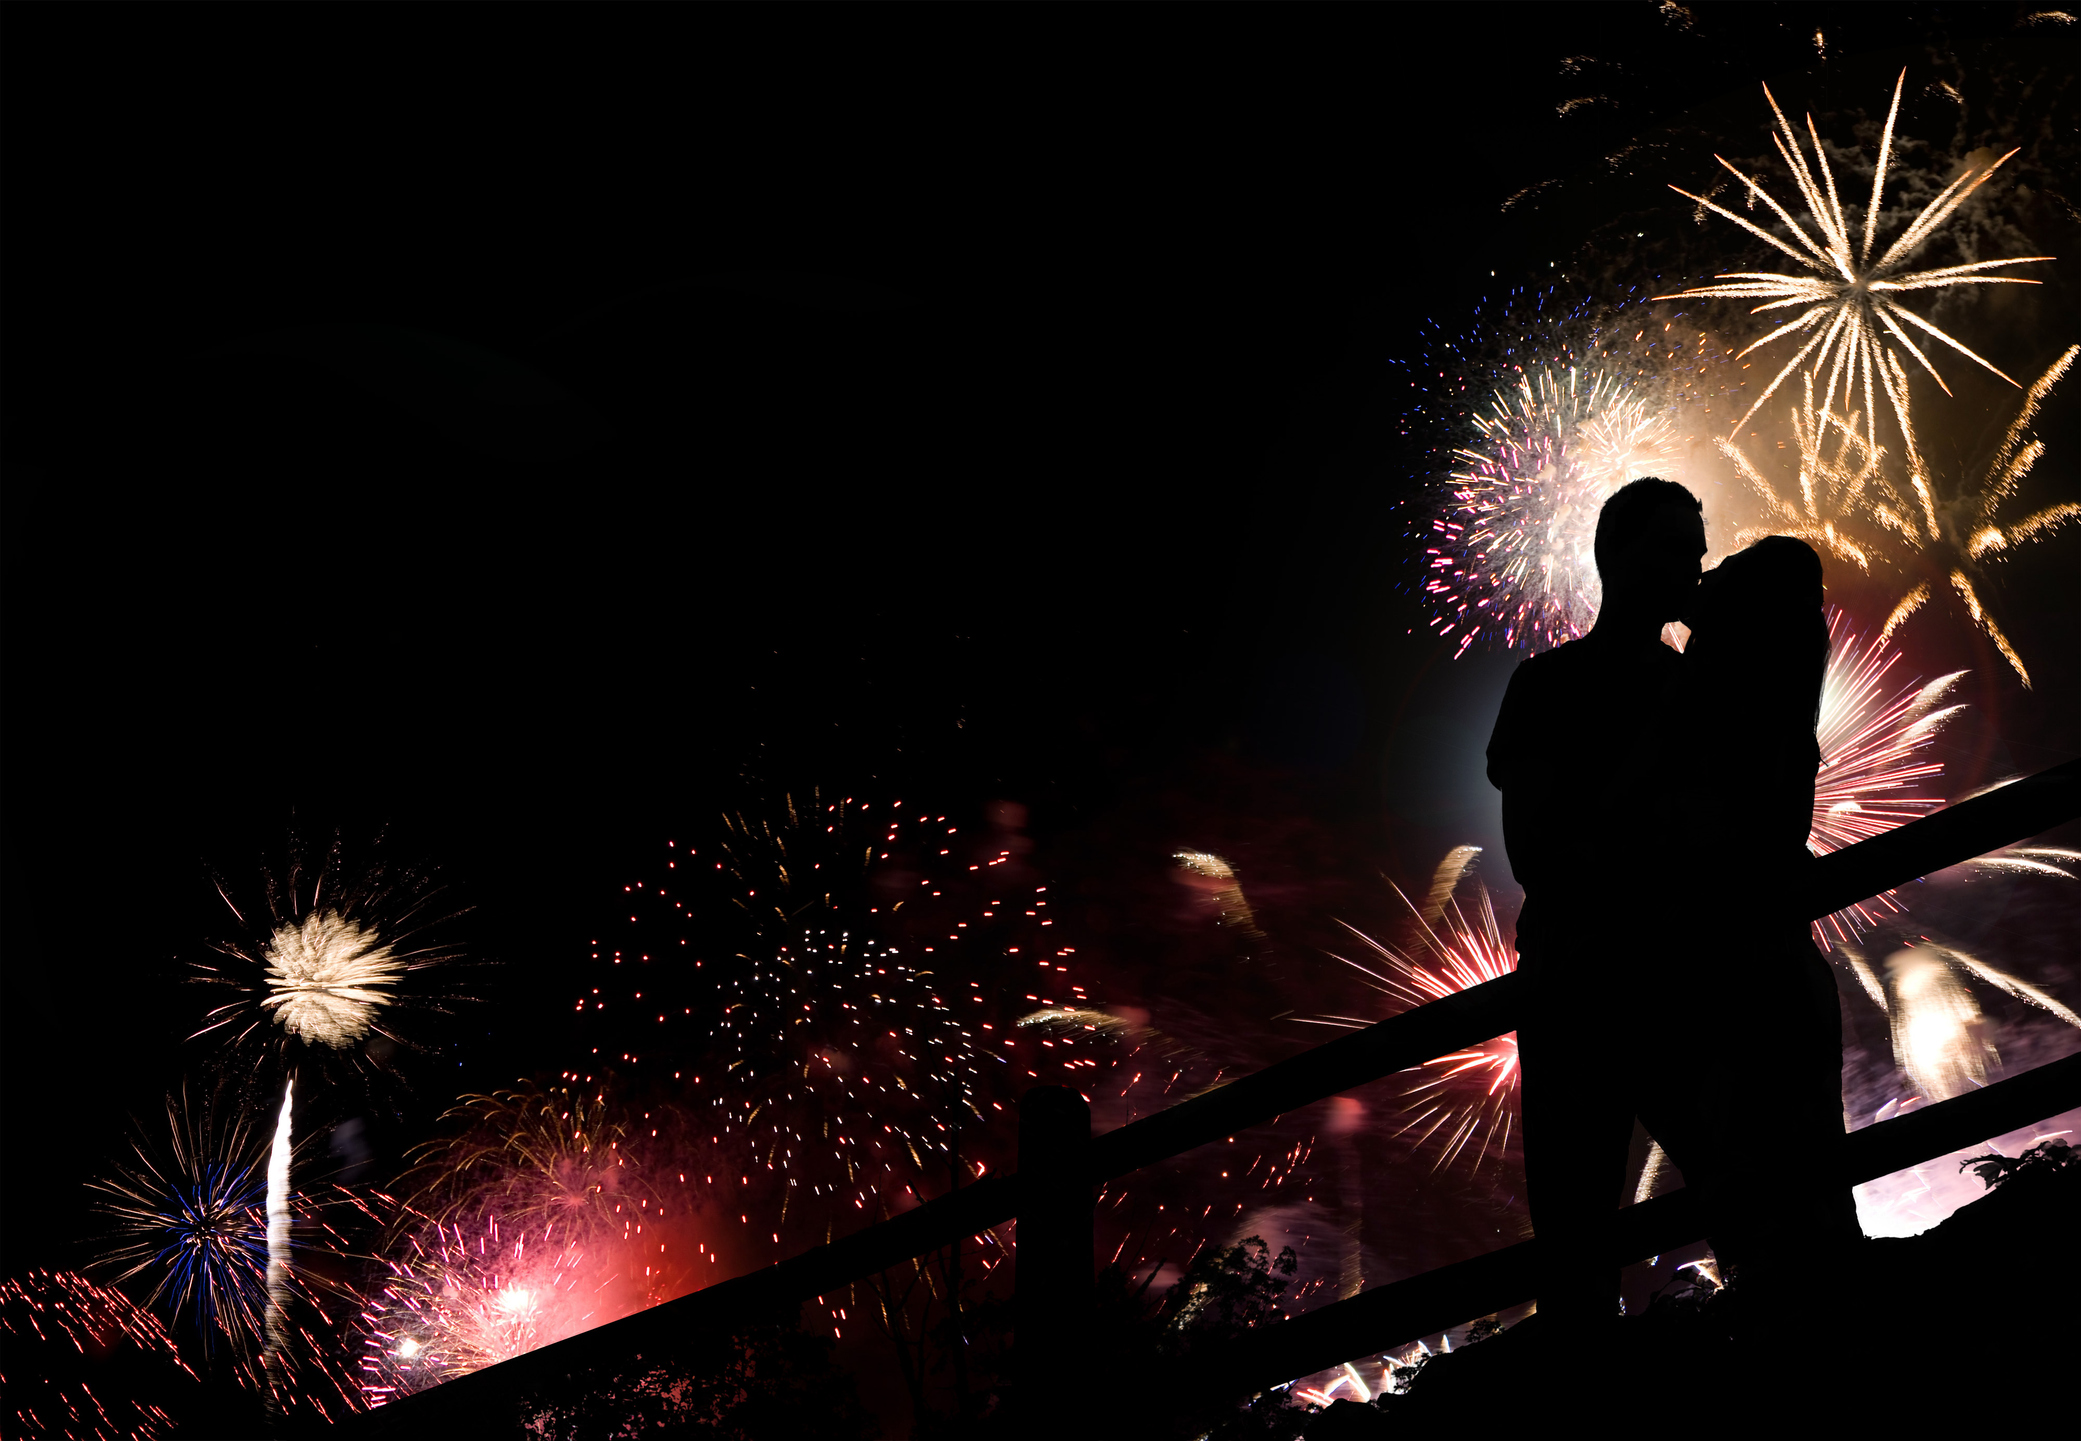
1631, 510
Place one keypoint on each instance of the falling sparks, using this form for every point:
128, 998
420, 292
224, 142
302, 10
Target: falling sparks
1857, 336
1513, 554
65, 1338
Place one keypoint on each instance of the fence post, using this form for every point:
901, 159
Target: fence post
1053, 1301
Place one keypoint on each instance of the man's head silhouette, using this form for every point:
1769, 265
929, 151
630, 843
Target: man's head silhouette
1650, 542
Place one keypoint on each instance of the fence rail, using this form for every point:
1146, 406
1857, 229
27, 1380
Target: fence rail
2002, 817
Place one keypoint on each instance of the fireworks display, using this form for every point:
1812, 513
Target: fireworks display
1846, 299
814, 1014
1513, 557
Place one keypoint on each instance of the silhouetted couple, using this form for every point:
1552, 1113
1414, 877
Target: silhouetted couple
1656, 808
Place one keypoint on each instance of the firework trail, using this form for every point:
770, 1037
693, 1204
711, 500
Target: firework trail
314, 974
1857, 328
1472, 1092
277, 1327
1228, 892
66, 1337
1513, 554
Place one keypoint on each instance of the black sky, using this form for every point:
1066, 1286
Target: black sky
511, 425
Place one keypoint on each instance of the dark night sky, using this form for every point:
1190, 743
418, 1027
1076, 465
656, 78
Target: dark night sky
986, 399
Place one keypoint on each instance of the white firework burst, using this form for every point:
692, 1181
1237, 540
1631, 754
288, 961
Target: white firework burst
328, 977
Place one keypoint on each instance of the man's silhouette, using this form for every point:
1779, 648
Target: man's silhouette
1577, 753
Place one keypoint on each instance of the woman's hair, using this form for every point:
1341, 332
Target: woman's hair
1758, 636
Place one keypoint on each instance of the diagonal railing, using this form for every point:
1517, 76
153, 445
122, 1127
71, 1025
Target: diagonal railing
489, 1399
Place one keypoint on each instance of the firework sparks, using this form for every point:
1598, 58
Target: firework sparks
461, 1301
1955, 531
67, 1336
874, 1060
1470, 1092
1847, 299
1514, 553
189, 1216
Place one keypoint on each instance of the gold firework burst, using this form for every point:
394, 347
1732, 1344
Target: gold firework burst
1858, 328
1956, 532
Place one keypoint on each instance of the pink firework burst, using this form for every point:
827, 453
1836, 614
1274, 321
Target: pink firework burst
1875, 730
1451, 946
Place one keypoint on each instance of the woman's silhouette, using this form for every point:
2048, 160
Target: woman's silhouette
1766, 1020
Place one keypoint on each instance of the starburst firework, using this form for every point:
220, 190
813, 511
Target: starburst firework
1858, 327
1874, 734
1451, 946
190, 1221
1513, 555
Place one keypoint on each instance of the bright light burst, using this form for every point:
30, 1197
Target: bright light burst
1847, 300
328, 976
1941, 1041
543, 1213
1452, 946
1513, 555
461, 1301
329, 956
1930, 536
